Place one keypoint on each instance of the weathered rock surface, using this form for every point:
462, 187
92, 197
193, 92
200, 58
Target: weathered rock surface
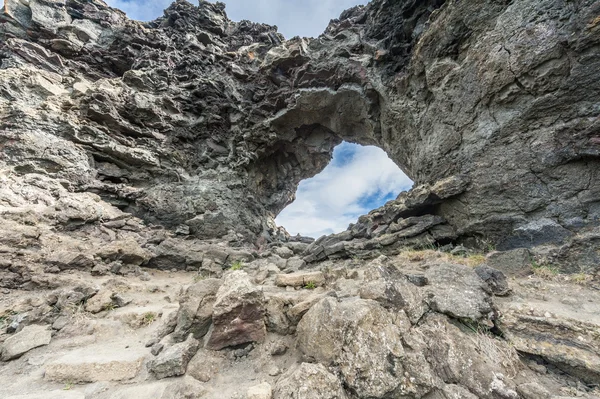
300, 279
173, 361
458, 291
205, 365
238, 313
28, 338
195, 309
174, 388
359, 336
570, 344
261, 391
388, 286
309, 381
495, 280
96, 363
130, 118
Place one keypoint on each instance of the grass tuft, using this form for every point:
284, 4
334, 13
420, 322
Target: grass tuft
237, 265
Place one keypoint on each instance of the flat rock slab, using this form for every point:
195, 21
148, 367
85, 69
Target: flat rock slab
300, 279
173, 388
27, 339
58, 394
107, 362
262, 391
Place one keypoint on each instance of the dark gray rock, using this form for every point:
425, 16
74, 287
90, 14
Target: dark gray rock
197, 123
457, 291
173, 361
517, 262
196, 309
495, 279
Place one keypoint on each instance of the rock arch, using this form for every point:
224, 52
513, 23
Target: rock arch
194, 120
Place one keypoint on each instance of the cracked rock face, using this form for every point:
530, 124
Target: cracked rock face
205, 125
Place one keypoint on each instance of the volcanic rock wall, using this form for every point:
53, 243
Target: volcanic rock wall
198, 123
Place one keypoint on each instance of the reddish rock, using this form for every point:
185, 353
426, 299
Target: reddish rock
238, 313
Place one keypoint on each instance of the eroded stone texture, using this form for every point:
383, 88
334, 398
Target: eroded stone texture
359, 336
488, 106
196, 309
174, 360
459, 292
238, 313
309, 381
28, 338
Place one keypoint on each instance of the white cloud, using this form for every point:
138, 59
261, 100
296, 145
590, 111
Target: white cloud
330, 201
293, 17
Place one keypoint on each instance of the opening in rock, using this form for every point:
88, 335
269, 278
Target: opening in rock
307, 18
357, 180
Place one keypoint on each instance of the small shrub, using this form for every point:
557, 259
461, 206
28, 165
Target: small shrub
474, 260
198, 277
68, 386
148, 318
580, 278
237, 265
547, 272
110, 307
310, 285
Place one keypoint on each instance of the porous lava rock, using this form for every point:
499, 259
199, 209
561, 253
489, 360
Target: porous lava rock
206, 126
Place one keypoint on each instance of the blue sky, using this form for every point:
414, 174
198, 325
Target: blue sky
293, 17
358, 179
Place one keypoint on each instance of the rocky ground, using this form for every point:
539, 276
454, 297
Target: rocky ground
422, 324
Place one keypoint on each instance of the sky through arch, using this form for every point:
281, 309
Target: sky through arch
357, 180
307, 18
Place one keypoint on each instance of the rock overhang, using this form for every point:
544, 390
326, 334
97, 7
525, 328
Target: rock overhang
194, 100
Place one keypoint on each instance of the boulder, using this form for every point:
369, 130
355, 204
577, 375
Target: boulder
300, 279
103, 300
569, 342
495, 280
457, 291
474, 361
360, 337
309, 381
392, 289
283, 252
297, 311
238, 313
205, 365
174, 388
127, 251
195, 309
67, 260
28, 338
174, 360
516, 262
276, 318
165, 326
